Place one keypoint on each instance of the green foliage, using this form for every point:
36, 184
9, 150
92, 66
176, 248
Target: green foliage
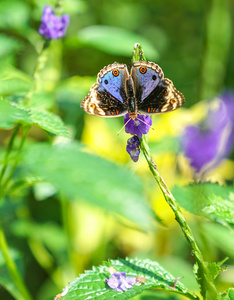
45, 189
208, 199
107, 185
116, 41
5, 278
93, 283
11, 114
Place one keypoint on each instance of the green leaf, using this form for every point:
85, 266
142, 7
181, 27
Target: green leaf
92, 284
219, 237
115, 41
14, 14
49, 234
208, 199
8, 45
228, 295
10, 114
5, 278
82, 176
48, 122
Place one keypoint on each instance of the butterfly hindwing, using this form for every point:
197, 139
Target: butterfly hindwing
107, 98
162, 99
100, 102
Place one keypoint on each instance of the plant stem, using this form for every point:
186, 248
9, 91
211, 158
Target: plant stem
206, 277
8, 151
25, 130
12, 268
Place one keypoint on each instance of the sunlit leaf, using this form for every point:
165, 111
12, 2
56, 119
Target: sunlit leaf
92, 284
208, 199
79, 175
49, 122
10, 114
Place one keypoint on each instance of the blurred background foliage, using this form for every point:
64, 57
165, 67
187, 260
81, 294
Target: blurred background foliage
53, 240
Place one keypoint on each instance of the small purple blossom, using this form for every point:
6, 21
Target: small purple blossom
52, 26
133, 148
208, 143
139, 126
120, 283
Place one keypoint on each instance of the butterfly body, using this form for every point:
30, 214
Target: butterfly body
143, 90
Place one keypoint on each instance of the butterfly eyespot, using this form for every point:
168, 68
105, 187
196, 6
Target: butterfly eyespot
142, 70
106, 81
115, 72
172, 101
154, 77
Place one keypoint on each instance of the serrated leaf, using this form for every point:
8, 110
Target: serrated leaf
228, 295
82, 176
92, 284
48, 122
216, 267
207, 199
10, 114
115, 41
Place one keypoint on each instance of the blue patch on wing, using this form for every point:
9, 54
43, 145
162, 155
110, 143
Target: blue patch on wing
113, 84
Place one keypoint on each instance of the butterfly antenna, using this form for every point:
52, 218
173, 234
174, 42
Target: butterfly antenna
123, 126
144, 123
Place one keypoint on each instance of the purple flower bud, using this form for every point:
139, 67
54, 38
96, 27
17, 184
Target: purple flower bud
133, 148
52, 26
139, 126
120, 283
208, 143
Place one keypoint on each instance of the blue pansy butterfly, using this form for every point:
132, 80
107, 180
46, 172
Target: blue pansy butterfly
142, 90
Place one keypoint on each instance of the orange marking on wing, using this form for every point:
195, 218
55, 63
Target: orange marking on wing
148, 109
172, 101
143, 70
115, 72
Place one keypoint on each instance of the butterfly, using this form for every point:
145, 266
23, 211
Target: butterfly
143, 90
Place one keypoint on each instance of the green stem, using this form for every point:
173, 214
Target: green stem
23, 138
12, 268
208, 288
208, 283
8, 151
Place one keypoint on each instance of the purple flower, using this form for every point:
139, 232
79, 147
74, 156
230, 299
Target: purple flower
208, 143
139, 126
120, 283
133, 148
52, 26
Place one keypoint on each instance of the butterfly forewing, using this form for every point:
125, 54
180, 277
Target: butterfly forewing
146, 76
107, 98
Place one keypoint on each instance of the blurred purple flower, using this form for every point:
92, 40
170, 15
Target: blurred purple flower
139, 126
52, 26
120, 283
208, 143
133, 148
